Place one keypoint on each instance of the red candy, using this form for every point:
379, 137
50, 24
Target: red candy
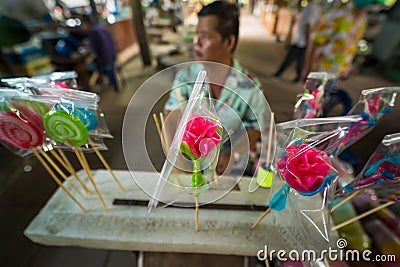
29, 114
19, 132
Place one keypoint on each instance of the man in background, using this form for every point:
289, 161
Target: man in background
309, 17
215, 41
102, 43
335, 41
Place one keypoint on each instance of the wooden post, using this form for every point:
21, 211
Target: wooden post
95, 14
138, 24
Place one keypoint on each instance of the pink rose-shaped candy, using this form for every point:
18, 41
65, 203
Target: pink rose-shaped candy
201, 136
303, 167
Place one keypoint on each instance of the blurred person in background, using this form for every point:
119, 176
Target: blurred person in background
215, 40
335, 40
309, 17
102, 44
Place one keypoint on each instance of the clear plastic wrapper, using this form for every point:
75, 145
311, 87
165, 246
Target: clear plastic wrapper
194, 151
240, 105
82, 104
235, 145
65, 80
65, 93
73, 123
20, 130
305, 179
310, 103
62, 79
56, 118
31, 86
373, 104
382, 169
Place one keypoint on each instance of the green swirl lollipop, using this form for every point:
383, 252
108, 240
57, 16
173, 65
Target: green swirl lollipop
66, 128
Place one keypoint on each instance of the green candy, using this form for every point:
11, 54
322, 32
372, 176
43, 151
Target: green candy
66, 128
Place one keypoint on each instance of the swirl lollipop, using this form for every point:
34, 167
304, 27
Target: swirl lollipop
90, 121
18, 131
84, 114
29, 114
65, 127
69, 129
23, 133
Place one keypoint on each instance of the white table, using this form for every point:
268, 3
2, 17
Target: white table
221, 231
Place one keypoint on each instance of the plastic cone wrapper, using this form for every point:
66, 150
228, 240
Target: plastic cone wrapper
310, 103
194, 150
175, 185
372, 106
382, 170
305, 179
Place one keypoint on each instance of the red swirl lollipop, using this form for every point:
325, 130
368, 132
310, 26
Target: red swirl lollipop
19, 132
29, 114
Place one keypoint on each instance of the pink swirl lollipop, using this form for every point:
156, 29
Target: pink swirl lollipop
19, 132
29, 114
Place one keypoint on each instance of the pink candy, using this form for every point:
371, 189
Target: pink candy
18, 131
303, 167
201, 136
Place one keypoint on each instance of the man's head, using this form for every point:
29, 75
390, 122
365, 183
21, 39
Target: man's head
217, 32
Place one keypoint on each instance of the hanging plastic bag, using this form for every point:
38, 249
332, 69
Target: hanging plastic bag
381, 170
196, 143
305, 179
310, 103
373, 104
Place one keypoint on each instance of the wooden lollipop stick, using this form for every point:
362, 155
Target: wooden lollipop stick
68, 166
345, 200
162, 137
271, 130
159, 131
164, 134
365, 214
48, 169
260, 218
196, 227
180, 98
85, 166
59, 159
103, 160
61, 173
82, 155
